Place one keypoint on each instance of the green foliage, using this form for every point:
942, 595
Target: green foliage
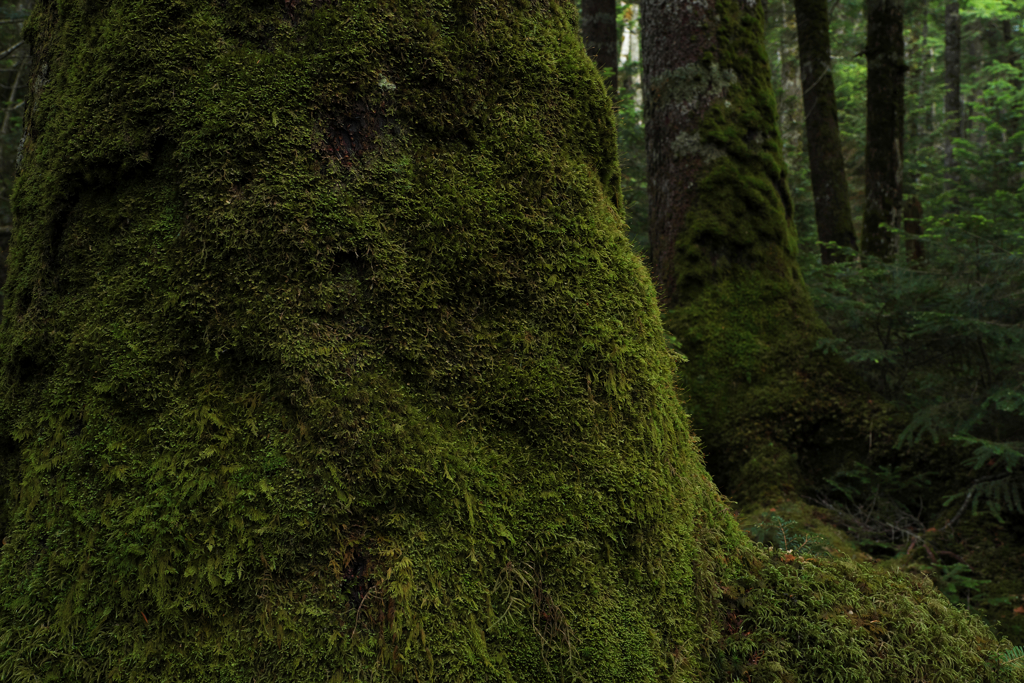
955, 581
880, 507
783, 535
863, 484
944, 339
1013, 657
1001, 492
941, 332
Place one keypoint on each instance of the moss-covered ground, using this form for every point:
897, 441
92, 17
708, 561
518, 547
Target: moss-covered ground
326, 358
975, 562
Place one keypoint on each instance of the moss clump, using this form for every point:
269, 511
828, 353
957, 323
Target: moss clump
794, 618
327, 359
808, 522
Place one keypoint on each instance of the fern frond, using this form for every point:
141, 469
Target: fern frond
1013, 657
1002, 494
1006, 453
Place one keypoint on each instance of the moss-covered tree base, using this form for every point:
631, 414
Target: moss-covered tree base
774, 414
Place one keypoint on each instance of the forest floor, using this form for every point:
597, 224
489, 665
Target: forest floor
978, 562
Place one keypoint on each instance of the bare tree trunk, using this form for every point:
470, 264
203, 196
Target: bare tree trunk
884, 148
15, 57
916, 52
678, 91
824, 147
913, 213
597, 22
789, 83
629, 53
954, 118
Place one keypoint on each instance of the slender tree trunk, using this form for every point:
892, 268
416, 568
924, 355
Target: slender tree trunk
953, 105
978, 58
629, 54
789, 83
10, 128
884, 145
600, 35
1009, 55
824, 147
678, 91
913, 213
915, 53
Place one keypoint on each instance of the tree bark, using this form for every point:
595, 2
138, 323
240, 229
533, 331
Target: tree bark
788, 83
884, 146
724, 252
913, 213
824, 147
600, 35
953, 106
678, 91
15, 82
629, 53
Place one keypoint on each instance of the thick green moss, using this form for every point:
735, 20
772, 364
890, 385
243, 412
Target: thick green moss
326, 358
795, 618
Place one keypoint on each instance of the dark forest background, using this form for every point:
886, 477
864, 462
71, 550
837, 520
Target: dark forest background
935, 328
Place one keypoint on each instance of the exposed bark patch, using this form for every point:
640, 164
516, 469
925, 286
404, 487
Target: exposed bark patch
356, 577
694, 86
687, 145
349, 136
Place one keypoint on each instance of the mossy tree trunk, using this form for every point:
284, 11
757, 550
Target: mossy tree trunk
824, 147
601, 37
883, 152
724, 254
327, 356
327, 359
